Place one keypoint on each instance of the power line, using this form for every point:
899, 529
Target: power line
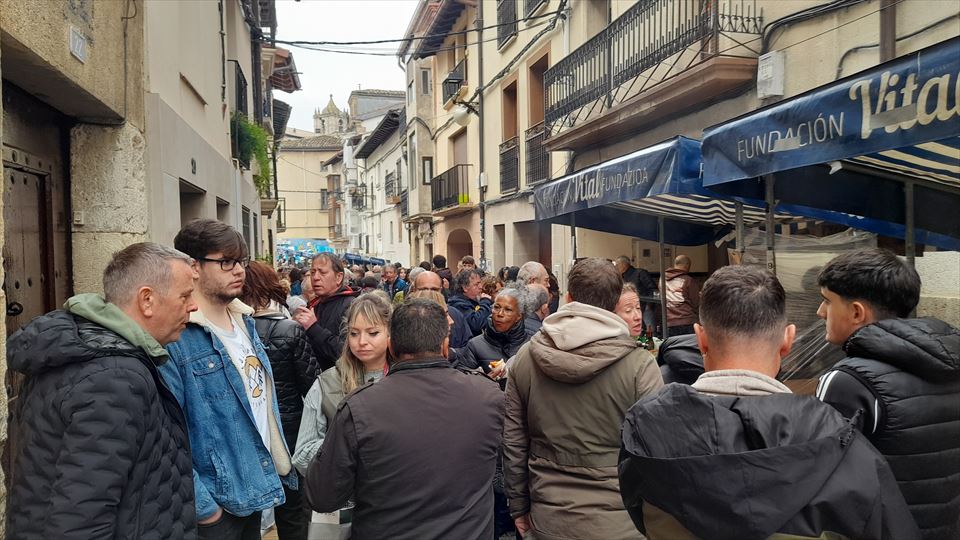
417, 38
368, 52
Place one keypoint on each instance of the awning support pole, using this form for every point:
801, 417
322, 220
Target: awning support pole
573, 237
741, 248
909, 239
771, 236
663, 281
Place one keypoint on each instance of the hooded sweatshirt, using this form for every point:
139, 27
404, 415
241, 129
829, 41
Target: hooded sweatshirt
567, 393
683, 298
749, 467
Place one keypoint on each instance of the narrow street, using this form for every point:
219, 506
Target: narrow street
466, 256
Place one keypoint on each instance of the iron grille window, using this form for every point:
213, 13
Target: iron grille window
529, 6
240, 87
538, 160
245, 219
506, 21
509, 165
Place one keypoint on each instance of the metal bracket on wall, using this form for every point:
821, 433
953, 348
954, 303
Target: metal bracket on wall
15, 158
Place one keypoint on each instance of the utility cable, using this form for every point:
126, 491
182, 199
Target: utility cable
443, 35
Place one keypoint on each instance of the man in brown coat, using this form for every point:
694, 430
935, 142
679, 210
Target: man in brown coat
682, 297
567, 393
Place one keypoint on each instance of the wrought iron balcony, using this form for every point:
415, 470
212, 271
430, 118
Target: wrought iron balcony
529, 6
456, 79
510, 165
625, 58
391, 189
537, 157
506, 21
450, 188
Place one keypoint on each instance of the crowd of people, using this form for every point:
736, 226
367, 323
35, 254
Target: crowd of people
203, 392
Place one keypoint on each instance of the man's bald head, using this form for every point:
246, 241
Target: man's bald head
428, 281
682, 261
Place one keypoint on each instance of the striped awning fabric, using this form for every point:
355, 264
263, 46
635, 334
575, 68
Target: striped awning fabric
936, 161
701, 209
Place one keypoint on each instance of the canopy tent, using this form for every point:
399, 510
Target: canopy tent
363, 259
654, 193
630, 194
864, 151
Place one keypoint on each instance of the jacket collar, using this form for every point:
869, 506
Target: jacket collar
410, 365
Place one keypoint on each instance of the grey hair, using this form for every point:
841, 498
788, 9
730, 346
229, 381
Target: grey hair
518, 294
413, 273
530, 270
145, 264
536, 297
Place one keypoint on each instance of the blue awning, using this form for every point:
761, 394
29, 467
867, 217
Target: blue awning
904, 103
353, 258
842, 152
626, 195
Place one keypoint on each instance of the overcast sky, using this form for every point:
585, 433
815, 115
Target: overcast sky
325, 73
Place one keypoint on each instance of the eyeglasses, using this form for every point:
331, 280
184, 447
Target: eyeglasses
228, 264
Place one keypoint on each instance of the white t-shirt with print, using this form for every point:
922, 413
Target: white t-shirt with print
254, 376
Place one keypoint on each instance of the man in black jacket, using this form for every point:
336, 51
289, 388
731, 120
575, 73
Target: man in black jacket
901, 379
103, 450
429, 437
471, 301
324, 322
750, 459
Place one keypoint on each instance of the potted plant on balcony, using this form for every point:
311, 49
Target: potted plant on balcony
252, 141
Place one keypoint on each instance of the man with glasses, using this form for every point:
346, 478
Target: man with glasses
460, 333
220, 374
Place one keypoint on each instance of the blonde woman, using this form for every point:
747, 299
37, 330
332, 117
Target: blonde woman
364, 360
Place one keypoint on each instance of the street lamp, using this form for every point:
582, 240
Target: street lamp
462, 110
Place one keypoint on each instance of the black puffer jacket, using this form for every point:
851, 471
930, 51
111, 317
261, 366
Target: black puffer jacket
680, 359
326, 336
294, 367
492, 345
729, 467
903, 375
103, 449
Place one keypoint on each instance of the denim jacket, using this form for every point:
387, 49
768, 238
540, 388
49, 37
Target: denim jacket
231, 466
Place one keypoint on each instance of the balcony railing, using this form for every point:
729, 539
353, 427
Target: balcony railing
606, 69
404, 206
529, 6
239, 115
510, 165
506, 21
450, 188
537, 157
240, 90
455, 80
391, 189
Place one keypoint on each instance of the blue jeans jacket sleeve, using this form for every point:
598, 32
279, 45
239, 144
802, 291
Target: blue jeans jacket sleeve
206, 506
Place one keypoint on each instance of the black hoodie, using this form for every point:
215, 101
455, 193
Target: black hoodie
748, 467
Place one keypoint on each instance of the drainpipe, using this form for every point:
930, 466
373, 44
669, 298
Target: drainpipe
482, 188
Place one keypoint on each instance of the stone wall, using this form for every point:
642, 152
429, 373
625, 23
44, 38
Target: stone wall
109, 188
